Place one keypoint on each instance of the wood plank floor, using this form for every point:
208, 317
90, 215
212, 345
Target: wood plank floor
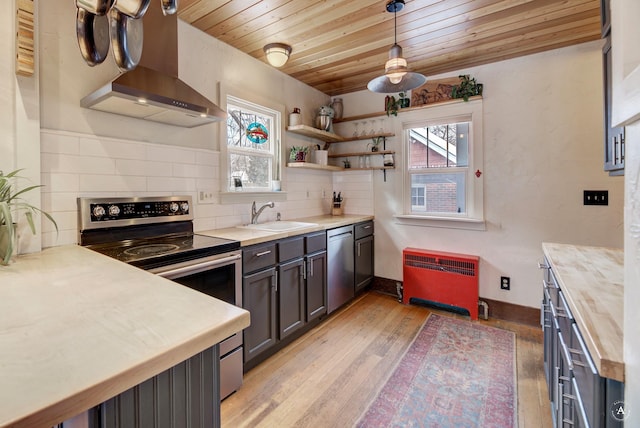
328, 377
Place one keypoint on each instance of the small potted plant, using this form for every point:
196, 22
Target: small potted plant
298, 153
11, 203
468, 87
375, 142
346, 164
392, 104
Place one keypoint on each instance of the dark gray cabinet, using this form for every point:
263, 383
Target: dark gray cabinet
259, 298
614, 136
284, 288
187, 394
579, 396
291, 296
364, 255
316, 275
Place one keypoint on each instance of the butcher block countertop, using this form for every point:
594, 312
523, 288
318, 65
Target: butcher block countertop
592, 280
77, 328
251, 236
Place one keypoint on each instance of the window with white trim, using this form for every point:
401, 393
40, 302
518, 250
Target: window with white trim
253, 145
443, 168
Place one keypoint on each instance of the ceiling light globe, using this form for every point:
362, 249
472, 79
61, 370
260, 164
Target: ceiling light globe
277, 54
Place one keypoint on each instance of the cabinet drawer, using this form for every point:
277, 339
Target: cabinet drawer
290, 249
363, 229
589, 383
258, 257
315, 242
565, 318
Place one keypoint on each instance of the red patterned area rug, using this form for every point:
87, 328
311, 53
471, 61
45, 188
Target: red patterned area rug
456, 373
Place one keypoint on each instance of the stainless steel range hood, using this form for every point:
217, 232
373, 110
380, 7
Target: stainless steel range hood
153, 91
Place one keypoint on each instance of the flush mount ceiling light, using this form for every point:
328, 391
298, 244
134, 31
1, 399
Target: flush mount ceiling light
277, 53
397, 77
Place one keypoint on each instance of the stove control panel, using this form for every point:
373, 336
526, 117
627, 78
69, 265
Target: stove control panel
112, 211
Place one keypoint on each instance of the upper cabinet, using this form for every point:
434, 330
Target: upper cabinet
614, 136
625, 72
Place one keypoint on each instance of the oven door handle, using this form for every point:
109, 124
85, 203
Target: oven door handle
197, 267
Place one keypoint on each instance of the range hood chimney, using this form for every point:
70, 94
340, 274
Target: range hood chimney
153, 91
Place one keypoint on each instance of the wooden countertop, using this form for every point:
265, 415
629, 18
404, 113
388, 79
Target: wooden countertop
251, 236
77, 328
592, 280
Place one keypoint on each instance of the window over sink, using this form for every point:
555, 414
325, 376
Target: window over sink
252, 146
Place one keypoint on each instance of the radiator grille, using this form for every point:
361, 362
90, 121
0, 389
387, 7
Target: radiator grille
440, 264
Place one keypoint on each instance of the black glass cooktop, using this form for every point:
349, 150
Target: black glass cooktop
154, 252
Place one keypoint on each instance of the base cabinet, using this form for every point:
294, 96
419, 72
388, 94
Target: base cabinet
363, 255
259, 298
316, 285
284, 289
579, 396
186, 395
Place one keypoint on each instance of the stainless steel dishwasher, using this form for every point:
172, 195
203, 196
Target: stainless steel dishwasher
340, 267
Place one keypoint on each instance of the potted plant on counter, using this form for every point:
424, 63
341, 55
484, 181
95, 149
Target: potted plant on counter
12, 203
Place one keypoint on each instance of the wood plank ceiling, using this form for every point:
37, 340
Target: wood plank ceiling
339, 45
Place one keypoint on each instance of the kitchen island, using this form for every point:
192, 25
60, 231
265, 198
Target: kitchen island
77, 328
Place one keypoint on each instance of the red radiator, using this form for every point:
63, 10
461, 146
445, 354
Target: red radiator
448, 278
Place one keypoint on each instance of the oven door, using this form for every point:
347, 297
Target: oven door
219, 276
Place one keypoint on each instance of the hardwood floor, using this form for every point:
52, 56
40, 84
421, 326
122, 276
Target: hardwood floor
329, 376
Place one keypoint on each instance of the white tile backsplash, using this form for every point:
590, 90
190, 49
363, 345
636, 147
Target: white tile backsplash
81, 165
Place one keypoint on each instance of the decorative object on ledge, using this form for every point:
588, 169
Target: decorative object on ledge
434, 91
391, 105
397, 76
25, 62
468, 87
277, 54
298, 154
11, 201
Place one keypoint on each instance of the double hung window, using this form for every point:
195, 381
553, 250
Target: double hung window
253, 145
443, 153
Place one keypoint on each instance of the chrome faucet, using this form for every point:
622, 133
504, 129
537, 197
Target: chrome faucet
256, 213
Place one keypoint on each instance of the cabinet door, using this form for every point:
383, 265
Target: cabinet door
291, 297
614, 137
259, 298
364, 262
316, 285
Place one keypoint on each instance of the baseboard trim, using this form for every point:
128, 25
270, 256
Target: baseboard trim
497, 309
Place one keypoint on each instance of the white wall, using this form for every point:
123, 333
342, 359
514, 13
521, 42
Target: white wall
542, 147
91, 153
203, 63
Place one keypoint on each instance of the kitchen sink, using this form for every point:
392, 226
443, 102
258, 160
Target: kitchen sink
279, 226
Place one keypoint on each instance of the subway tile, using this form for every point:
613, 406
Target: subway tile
112, 183
59, 143
111, 148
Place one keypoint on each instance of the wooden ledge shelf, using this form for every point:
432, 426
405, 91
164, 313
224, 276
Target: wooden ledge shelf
309, 165
353, 154
319, 134
384, 113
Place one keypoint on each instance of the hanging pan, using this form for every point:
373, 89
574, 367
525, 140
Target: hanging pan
126, 39
97, 7
93, 36
169, 7
132, 8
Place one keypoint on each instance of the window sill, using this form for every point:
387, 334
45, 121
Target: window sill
247, 197
445, 222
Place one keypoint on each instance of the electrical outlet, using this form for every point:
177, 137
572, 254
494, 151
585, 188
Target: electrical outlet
205, 196
505, 283
596, 197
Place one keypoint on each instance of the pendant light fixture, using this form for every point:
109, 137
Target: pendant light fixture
397, 77
277, 54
